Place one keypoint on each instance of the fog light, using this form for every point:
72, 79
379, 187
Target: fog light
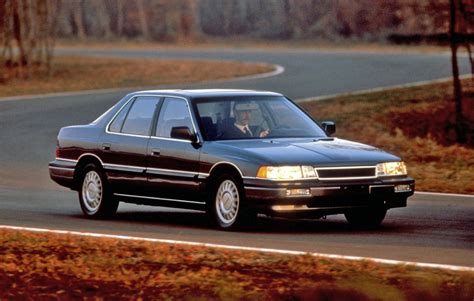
289, 207
402, 188
283, 207
298, 192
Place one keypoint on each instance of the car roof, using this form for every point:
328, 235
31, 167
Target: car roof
205, 93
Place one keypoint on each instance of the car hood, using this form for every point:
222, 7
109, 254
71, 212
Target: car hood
318, 152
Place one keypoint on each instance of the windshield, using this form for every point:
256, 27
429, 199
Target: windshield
230, 118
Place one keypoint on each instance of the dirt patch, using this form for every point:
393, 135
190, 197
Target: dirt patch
51, 266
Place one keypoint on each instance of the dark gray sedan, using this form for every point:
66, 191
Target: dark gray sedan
231, 153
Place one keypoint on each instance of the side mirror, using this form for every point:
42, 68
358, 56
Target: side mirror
329, 127
183, 133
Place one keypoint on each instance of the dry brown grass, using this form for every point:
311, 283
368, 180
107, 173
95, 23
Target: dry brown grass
369, 118
87, 73
50, 266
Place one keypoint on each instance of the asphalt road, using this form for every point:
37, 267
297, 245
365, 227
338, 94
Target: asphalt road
431, 229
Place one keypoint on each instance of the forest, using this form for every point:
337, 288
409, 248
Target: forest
29, 28
333, 20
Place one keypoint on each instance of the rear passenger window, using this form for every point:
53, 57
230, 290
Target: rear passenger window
139, 118
116, 125
174, 113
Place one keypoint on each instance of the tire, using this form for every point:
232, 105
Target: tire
226, 204
95, 196
366, 217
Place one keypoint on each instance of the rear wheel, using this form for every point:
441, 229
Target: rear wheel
226, 204
95, 196
366, 217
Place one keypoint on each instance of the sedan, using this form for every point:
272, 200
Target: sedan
231, 153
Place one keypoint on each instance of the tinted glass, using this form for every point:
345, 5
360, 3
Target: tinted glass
174, 112
140, 116
254, 118
116, 125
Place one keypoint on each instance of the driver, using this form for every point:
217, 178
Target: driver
240, 128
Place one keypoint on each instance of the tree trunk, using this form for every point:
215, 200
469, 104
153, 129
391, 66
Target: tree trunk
3, 38
460, 130
191, 19
143, 19
467, 24
8, 34
120, 17
103, 19
52, 10
77, 12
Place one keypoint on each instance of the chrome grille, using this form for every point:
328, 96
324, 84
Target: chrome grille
346, 172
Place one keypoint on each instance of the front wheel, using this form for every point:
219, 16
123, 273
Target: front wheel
366, 217
226, 203
95, 196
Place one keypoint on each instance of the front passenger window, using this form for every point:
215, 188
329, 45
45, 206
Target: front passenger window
140, 116
174, 113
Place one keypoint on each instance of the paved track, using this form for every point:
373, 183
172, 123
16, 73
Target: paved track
431, 229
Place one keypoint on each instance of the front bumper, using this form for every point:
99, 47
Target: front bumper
320, 198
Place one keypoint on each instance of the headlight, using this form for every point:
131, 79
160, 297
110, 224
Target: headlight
286, 172
391, 169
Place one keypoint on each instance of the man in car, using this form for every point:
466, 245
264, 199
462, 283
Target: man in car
240, 128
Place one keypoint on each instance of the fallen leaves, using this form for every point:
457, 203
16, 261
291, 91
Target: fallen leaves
52, 266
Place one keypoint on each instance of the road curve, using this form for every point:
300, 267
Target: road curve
434, 230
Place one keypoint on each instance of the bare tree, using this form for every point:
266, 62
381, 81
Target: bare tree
143, 18
274, 19
454, 40
30, 26
49, 29
120, 17
183, 20
467, 26
77, 16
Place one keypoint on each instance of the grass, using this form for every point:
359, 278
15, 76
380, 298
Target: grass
412, 123
45, 266
87, 73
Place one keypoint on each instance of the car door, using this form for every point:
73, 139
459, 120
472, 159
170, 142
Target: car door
173, 164
124, 145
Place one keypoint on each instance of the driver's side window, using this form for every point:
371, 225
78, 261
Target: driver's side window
173, 113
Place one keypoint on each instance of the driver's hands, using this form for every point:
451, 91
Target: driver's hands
264, 133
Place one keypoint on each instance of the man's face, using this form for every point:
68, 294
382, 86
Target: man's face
242, 117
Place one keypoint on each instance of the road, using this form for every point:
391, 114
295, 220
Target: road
431, 229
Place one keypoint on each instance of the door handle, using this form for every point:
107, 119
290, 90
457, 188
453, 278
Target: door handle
155, 152
106, 146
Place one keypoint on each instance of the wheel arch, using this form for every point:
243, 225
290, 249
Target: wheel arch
83, 160
221, 168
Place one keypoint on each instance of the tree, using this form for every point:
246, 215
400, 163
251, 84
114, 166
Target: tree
467, 26
143, 18
457, 20
77, 18
30, 27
